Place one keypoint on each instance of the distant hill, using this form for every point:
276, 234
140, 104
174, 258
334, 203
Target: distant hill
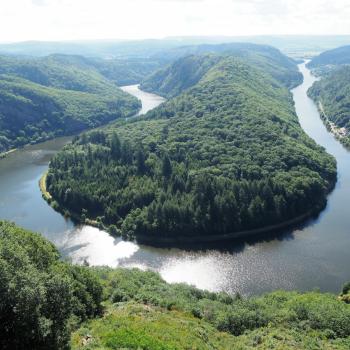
330, 60
186, 71
77, 72
179, 76
41, 98
292, 45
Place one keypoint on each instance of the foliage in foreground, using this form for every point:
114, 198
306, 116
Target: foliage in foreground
145, 312
41, 298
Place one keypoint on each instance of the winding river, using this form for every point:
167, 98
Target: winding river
315, 255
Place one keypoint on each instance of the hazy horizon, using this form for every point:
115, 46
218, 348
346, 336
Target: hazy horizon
214, 38
125, 20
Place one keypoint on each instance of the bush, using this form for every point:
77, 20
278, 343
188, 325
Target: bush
41, 298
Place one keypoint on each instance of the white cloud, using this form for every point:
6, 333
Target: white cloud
97, 19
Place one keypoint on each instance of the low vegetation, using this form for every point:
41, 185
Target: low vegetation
46, 303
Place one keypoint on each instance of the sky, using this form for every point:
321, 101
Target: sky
22, 20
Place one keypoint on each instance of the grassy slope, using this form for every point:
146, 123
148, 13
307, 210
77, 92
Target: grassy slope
139, 326
148, 313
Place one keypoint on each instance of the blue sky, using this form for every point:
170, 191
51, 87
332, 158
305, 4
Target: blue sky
137, 19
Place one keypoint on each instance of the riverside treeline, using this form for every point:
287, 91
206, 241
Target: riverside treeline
332, 91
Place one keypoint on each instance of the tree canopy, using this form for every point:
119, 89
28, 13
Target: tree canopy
225, 155
42, 98
42, 299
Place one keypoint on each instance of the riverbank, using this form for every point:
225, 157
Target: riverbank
42, 184
179, 241
46, 195
5, 154
341, 134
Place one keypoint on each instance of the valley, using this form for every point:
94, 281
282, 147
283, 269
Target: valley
252, 267
173, 215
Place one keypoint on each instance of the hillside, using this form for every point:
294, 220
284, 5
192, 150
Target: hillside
126, 71
144, 311
120, 71
330, 60
50, 304
227, 155
268, 58
179, 76
332, 95
48, 97
42, 299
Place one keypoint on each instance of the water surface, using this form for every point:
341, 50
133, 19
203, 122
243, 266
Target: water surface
315, 255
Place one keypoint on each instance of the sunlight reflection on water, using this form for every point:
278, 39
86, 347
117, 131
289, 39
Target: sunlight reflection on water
96, 247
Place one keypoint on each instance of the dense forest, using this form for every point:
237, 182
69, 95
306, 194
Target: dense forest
332, 94
226, 155
46, 303
42, 299
192, 65
330, 60
52, 96
121, 71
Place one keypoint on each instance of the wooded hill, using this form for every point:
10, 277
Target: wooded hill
330, 60
226, 155
333, 92
193, 62
42, 98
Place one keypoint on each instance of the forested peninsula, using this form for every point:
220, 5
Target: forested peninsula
58, 95
47, 303
226, 154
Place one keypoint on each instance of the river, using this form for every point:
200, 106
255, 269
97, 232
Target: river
316, 255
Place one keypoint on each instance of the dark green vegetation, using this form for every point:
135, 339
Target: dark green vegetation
42, 300
225, 155
55, 96
332, 94
190, 68
145, 312
330, 60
